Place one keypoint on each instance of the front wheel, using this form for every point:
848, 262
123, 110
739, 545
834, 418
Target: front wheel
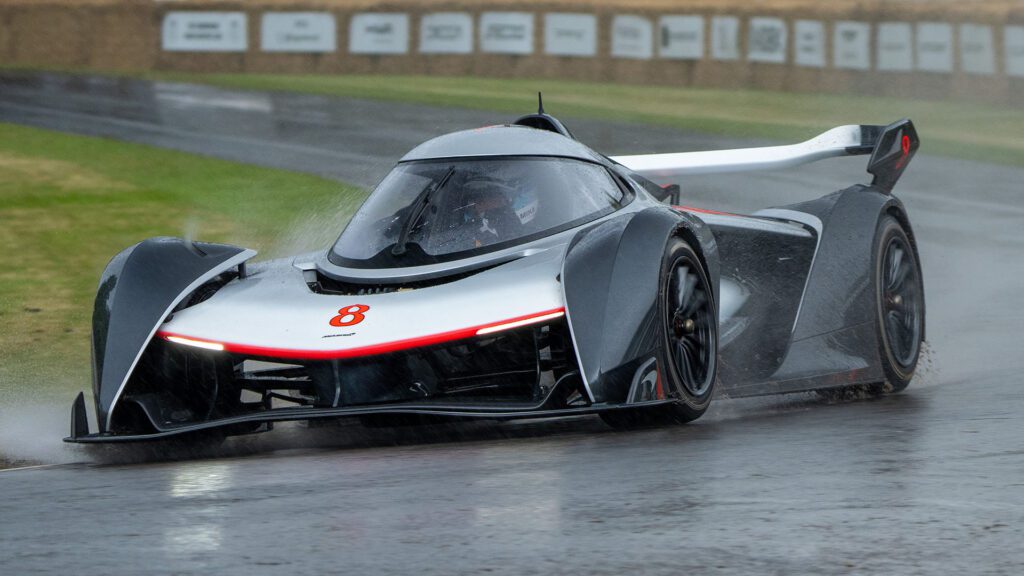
689, 332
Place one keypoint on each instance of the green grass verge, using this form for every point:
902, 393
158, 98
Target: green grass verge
958, 129
69, 203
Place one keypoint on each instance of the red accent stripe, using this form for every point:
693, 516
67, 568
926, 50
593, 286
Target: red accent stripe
659, 391
371, 350
703, 211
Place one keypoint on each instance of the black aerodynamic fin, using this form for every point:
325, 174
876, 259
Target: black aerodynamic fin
894, 147
543, 121
137, 291
79, 417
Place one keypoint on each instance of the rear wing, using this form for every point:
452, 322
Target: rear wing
891, 148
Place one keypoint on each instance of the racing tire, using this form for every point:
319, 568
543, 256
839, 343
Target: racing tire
899, 295
899, 312
689, 332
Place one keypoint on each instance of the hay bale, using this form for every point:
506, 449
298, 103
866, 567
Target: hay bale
46, 35
122, 38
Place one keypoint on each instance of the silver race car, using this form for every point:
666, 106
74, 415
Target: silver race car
512, 272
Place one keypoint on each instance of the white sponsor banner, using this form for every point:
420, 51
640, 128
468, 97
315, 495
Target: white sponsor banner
681, 37
379, 33
570, 34
766, 40
204, 32
298, 32
935, 47
725, 36
1013, 46
446, 33
506, 32
851, 45
632, 37
977, 50
809, 43
894, 47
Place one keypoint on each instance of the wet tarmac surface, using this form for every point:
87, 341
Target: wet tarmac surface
924, 482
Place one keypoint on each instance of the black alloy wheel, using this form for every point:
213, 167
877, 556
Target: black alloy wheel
692, 327
689, 359
900, 303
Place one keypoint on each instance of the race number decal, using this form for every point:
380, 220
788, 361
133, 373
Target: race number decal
350, 315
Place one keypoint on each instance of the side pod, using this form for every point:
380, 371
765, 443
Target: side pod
611, 280
831, 336
138, 289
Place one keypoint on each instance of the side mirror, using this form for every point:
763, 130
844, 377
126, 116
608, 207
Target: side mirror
673, 193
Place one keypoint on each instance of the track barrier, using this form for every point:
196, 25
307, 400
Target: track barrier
969, 51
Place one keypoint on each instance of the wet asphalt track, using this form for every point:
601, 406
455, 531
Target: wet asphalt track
929, 481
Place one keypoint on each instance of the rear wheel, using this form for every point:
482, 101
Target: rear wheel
899, 309
689, 326
900, 304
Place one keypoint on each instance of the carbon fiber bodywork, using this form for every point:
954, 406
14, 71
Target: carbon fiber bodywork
186, 340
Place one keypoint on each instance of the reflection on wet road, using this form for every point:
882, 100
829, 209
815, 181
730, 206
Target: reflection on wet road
929, 481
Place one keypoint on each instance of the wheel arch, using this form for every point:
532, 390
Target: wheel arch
610, 281
699, 236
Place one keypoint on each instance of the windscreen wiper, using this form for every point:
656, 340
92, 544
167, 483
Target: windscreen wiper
418, 207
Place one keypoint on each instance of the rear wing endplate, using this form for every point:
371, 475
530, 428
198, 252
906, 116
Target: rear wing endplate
891, 148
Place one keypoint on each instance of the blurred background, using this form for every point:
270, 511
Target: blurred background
970, 49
